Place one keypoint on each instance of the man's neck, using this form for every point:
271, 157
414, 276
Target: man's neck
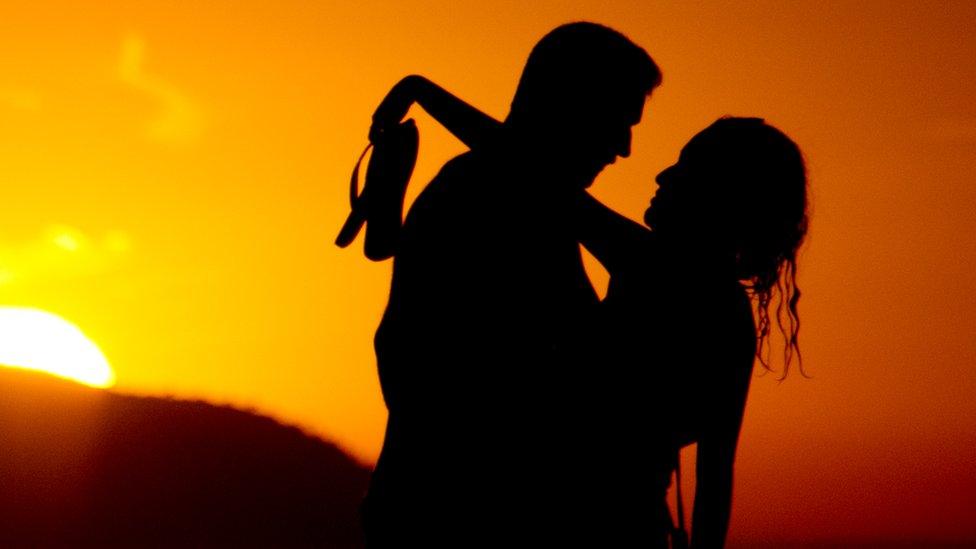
539, 157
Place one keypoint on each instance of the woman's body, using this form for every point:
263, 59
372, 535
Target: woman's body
677, 389
677, 336
678, 339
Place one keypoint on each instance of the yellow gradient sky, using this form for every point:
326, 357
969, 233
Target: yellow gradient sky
174, 175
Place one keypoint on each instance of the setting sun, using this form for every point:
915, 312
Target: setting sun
38, 340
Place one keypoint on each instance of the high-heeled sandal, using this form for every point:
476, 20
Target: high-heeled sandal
380, 204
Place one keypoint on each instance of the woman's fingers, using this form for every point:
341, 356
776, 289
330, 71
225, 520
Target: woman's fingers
393, 107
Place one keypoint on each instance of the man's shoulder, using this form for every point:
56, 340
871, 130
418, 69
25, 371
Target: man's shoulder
462, 187
446, 210
463, 174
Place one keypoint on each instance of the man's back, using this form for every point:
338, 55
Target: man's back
488, 265
488, 286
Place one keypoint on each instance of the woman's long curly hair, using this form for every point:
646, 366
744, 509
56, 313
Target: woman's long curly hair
767, 180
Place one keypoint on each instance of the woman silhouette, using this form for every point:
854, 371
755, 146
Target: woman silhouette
686, 313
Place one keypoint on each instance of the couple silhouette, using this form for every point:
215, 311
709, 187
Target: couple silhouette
523, 410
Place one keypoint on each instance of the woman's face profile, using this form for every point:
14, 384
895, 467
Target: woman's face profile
655, 212
691, 200
685, 197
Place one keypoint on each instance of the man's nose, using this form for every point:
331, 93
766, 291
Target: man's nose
623, 150
623, 144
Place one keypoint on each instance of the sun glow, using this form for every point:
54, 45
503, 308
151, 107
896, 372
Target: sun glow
38, 340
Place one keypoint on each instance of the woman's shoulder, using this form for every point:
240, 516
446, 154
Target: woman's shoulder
737, 315
742, 316
729, 334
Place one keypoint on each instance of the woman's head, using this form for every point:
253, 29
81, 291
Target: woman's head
739, 189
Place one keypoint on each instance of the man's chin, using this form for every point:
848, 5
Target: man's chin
650, 219
589, 177
582, 180
577, 176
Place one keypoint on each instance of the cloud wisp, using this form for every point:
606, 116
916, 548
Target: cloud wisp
178, 120
61, 252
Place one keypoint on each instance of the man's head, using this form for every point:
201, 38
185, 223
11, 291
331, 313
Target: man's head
581, 91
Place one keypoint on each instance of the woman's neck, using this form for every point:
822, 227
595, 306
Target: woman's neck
697, 259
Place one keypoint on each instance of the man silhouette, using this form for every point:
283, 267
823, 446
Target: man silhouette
488, 299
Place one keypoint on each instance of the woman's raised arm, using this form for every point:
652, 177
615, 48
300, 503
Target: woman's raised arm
467, 123
612, 238
616, 241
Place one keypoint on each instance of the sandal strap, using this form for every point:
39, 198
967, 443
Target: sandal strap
357, 217
379, 205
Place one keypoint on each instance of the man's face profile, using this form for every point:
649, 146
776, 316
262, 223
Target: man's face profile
597, 137
582, 90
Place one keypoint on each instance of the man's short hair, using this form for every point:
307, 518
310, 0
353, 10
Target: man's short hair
581, 63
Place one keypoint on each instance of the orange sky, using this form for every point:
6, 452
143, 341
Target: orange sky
199, 156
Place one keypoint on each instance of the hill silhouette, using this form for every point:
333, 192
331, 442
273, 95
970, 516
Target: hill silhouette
82, 466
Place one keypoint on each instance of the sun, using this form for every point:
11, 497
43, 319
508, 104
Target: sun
38, 340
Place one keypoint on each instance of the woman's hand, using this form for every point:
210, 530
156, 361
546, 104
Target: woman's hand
394, 106
467, 123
